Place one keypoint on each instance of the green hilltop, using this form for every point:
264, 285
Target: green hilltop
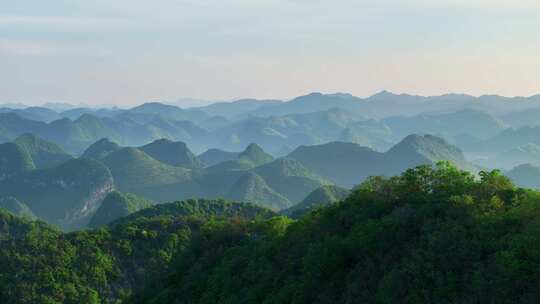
322, 196
172, 153
45, 154
100, 149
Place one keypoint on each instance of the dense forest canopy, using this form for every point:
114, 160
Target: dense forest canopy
430, 235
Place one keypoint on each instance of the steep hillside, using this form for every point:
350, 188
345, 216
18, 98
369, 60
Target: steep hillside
525, 175
100, 149
251, 187
467, 121
136, 172
347, 164
65, 195
215, 156
525, 154
416, 150
117, 205
14, 160
290, 178
256, 155
45, 154
172, 153
322, 196
14, 206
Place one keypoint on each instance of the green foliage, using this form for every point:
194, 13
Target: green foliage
42, 265
434, 234
431, 235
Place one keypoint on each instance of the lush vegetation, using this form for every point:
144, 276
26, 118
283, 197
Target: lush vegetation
42, 265
427, 236
430, 235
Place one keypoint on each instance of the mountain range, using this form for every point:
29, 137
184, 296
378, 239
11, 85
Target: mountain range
165, 170
270, 152
478, 125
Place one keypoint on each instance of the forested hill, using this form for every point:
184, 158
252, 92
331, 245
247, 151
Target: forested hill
430, 235
40, 264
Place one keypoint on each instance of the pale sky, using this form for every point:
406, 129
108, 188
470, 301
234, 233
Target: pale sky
129, 51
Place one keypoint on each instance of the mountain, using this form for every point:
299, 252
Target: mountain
45, 154
12, 125
529, 117
507, 139
116, 205
152, 109
100, 149
274, 133
290, 178
322, 196
312, 102
251, 187
65, 195
75, 113
136, 172
347, 164
525, 175
255, 154
369, 133
14, 160
467, 121
14, 206
35, 113
415, 150
172, 153
215, 156
525, 154
237, 107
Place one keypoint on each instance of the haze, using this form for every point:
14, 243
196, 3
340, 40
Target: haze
126, 52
